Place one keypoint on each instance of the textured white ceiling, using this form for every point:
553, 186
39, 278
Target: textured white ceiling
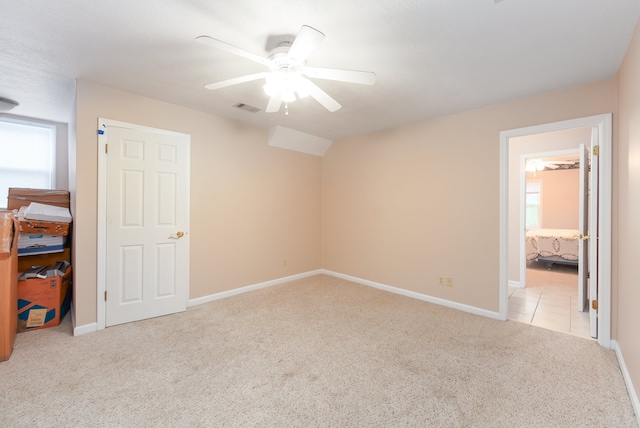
431, 58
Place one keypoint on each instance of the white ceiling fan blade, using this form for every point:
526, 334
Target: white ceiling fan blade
351, 76
322, 97
306, 41
236, 80
274, 104
218, 44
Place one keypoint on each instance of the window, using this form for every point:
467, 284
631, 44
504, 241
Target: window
533, 201
28, 156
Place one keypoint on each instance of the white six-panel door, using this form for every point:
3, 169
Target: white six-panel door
583, 229
147, 240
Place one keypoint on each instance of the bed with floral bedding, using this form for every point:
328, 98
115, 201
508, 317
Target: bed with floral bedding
553, 246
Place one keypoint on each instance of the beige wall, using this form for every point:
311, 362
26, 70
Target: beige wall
252, 205
405, 206
547, 142
627, 294
560, 198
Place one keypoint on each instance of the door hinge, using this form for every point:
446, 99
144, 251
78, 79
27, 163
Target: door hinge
105, 296
594, 304
106, 148
588, 275
596, 150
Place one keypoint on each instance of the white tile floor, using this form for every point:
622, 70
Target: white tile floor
550, 300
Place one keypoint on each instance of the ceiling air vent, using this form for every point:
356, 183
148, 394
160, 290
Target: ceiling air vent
247, 107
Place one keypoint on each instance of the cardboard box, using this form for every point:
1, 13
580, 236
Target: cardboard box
36, 211
44, 227
8, 284
25, 262
31, 243
7, 226
22, 197
43, 303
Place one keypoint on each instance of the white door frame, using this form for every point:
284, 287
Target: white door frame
523, 190
604, 124
103, 124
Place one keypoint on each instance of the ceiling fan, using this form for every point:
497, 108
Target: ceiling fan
288, 75
534, 165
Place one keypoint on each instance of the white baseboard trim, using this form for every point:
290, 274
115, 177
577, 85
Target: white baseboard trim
627, 380
414, 295
515, 284
201, 300
85, 329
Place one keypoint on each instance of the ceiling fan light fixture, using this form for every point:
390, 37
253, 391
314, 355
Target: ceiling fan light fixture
302, 88
286, 84
534, 165
287, 95
6, 104
270, 89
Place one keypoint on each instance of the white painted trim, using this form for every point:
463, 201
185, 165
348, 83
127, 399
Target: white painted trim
635, 402
103, 124
101, 225
85, 329
418, 296
604, 124
515, 284
604, 226
503, 236
206, 299
522, 209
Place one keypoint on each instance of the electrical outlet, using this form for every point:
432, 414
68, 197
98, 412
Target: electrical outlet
441, 281
449, 281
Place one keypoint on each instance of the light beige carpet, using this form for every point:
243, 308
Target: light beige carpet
317, 352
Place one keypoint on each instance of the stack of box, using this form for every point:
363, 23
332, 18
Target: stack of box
44, 220
46, 228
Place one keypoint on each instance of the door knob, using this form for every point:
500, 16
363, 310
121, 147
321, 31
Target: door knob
180, 234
